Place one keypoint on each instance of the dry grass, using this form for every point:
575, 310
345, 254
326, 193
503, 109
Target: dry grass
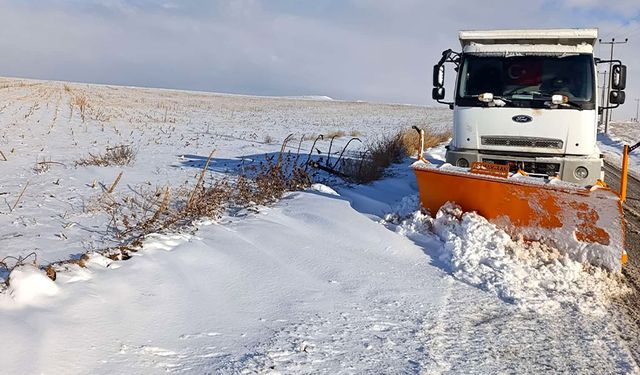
118, 155
80, 101
381, 153
154, 210
355, 133
378, 156
270, 180
112, 187
411, 140
336, 134
17, 202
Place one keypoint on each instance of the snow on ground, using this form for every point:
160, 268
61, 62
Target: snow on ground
173, 132
529, 275
612, 144
335, 279
310, 285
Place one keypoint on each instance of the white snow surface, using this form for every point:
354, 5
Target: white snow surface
28, 285
312, 285
332, 280
612, 144
172, 132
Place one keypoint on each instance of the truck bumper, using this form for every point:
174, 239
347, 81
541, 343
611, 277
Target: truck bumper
564, 167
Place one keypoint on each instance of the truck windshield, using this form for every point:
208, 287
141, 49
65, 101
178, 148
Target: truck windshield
532, 79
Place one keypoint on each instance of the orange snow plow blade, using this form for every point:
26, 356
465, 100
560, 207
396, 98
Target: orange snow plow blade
587, 224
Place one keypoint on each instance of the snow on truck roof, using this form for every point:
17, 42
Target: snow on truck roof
529, 41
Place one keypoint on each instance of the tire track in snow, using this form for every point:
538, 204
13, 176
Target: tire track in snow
383, 336
481, 336
436, 335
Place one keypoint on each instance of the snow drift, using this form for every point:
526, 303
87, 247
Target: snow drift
528, 274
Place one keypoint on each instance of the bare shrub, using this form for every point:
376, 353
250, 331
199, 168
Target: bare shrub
270, 179
133, 217
381, 153
154, 210
117, 155
360, 170
268, 139
378, 155
209, 202
411, 140
67, 88
205, 201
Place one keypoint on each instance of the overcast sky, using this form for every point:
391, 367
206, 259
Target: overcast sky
379, 50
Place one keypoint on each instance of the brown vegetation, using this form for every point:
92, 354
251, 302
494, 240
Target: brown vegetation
117, 155
82, 103
154, 210
382, 152
411, 140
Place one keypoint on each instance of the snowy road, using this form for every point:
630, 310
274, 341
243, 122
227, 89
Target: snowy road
630, 303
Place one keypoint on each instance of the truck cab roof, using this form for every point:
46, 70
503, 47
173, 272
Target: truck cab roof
523, 41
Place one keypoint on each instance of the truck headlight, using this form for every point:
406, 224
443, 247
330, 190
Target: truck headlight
581, 173
462, 162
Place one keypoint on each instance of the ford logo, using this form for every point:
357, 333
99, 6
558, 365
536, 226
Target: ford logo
522, 118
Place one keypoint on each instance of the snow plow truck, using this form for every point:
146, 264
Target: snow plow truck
524, 152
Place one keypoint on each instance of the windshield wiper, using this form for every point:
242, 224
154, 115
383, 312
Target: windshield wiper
571, 104
565, 103
489, 99
517, 92
536, 95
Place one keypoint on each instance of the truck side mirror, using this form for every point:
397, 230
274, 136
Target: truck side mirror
438, 75
438, 93
619, 77
617, 97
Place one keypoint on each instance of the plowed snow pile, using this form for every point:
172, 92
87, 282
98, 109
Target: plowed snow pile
528, 274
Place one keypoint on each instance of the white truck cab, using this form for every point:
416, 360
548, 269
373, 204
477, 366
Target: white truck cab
528, 99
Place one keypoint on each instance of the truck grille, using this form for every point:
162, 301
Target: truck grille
542, 169
522, 142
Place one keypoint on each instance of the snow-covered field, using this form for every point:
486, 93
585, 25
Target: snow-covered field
612, 144
173, 133
334, 279
627, 132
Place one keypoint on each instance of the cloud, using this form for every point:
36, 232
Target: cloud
351, 49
